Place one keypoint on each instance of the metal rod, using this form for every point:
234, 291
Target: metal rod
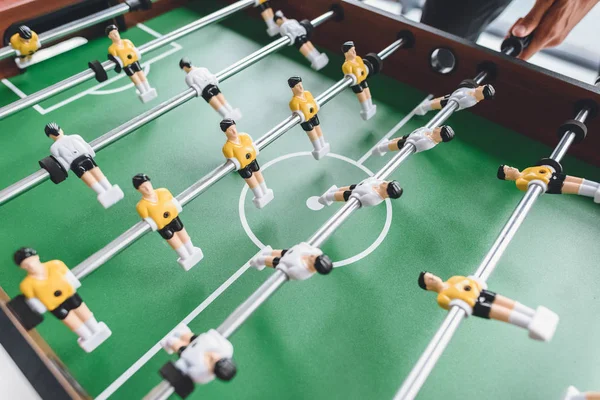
121, 131
422, 369
162, 391
108, 65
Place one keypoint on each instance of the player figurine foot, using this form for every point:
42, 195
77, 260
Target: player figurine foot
304, 105
202, 358
473, 297
299, 263
298, 34
73, 153
355, 68
206, 85
369, 192
422, 139
51, 286
126, 57
241, 151
573, 394
465, 97
25, 43
161, 211
266, 12
549, 175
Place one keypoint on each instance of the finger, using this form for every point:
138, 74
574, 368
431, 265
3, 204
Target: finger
532, 20
509, 32
538, 42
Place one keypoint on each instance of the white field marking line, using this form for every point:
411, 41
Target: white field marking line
95, 89
113, 387
347, 261
392, 131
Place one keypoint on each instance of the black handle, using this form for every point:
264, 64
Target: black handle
517, 44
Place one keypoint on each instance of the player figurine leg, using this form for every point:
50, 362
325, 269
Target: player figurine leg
299, 37
206, 85
465, 98
369, 192
355, 68
266, 12
161, 210
573, 394
241, 151
305, 106
422, 138
52, 286
474, 298
202, 358
552, 179
75, 154
126, 57
299, 263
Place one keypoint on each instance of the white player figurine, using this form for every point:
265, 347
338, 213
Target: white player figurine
75, 154
202, 358
573, 394
299, 262
422, 138
206, 84
299, 37
465, 97
369, 192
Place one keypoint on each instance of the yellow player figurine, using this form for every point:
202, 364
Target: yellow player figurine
25, 43
161, 210
123, 53
553, 182
241, 151
267, 13
473, 297
52, 286
304, 105
355, 68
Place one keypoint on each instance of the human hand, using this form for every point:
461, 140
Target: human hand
552, 21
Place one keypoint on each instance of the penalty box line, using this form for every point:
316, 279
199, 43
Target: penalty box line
94, 90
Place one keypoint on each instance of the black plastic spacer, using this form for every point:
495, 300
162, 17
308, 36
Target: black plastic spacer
551, 163
490, 68
517, 43
590, 105
28, 318
100, 72
578, 128
56, 171
181, 383
136, 5
374, 63
308, 26
338, 12
468, 83
409, 39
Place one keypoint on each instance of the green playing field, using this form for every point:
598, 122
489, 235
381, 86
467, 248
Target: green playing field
354, 334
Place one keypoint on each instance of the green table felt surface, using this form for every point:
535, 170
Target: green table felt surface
354, 334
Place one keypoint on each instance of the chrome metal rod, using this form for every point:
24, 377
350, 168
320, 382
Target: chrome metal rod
391, 49
421, 371
108, 65
333, 223
247, 308
162, 391
119, 132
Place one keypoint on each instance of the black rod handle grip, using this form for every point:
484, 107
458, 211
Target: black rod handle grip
517, 44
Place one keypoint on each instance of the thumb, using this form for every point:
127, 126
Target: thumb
527, 24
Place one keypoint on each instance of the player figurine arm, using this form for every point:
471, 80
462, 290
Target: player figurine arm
85, 144
112, 56
135, 49
33, 302
36, 39
143, 213
228, 153
55, 151
69, 276
348, 72
256, 149
295, 108
177, 204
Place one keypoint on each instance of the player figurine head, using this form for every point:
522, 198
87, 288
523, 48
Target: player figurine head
224, 368
393, 190
28, 259
428, 281
53, 131
349, 50
229, 128
322, 264
185, 64
113, 33
446, 133
507, 173
488, 92
141, 182
295, 83
279, 18
25, 33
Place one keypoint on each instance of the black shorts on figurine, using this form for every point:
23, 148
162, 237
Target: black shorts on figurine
66, 306
483, 306
83, 164
132, 68
311, 123
249, 169
264, 6
171, 228
210, 91
556, 183
360, 87
300, 41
